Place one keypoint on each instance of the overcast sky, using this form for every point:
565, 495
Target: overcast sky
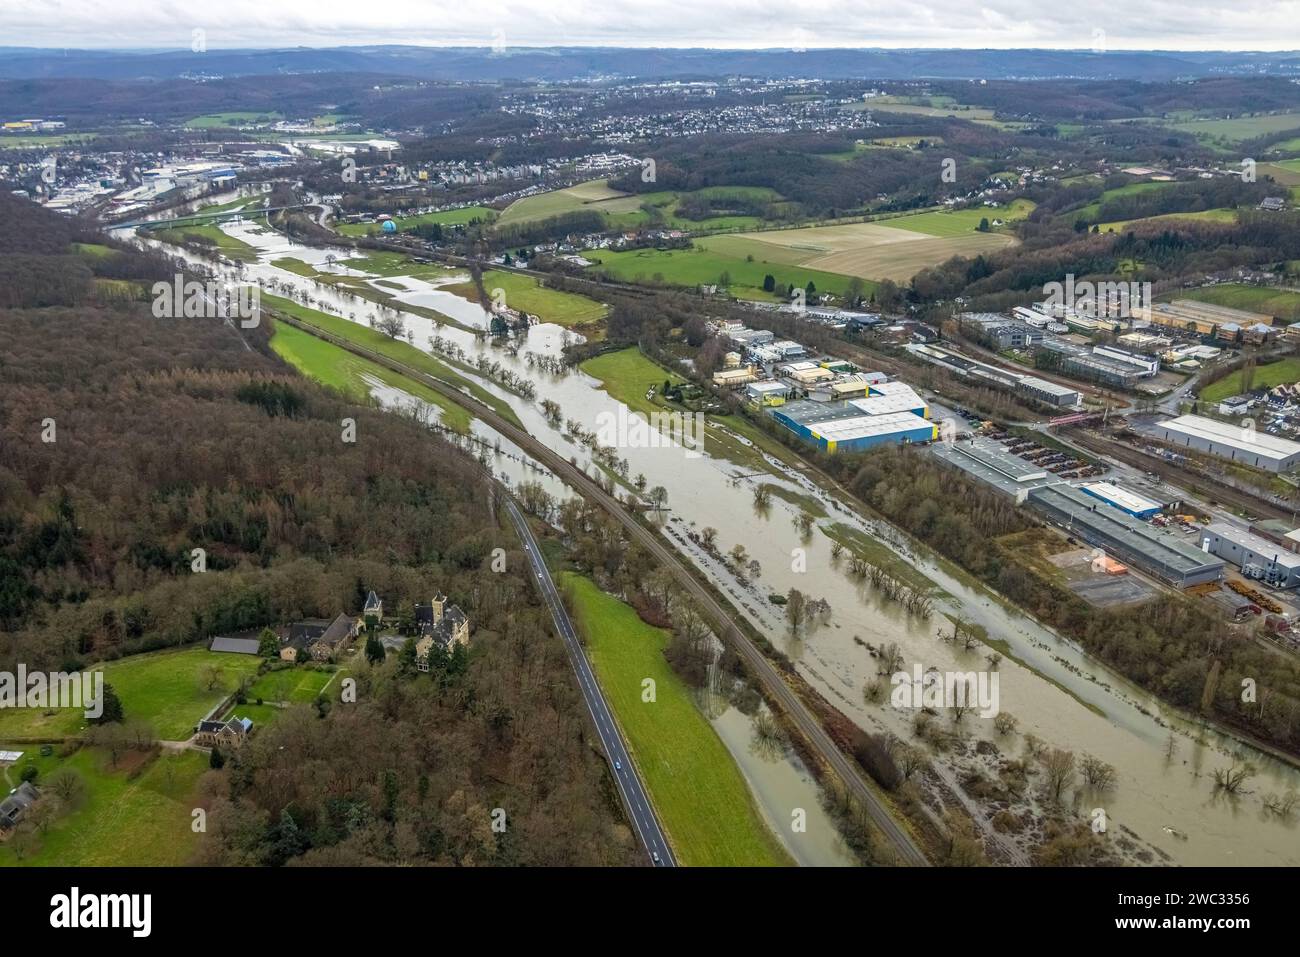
1123, 24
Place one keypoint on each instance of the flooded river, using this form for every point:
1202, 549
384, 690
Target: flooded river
1164, 794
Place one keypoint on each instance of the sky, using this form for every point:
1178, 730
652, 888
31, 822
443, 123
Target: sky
793, 24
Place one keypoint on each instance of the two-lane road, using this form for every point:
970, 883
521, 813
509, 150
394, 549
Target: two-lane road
629, 783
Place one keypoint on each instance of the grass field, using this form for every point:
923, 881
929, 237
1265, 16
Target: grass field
446, 217
1237, 129
700, 794
166, 688
210, 120
145, 822
93, 250
397, 349
229, 245
624, 210
1090, 212
742, 261
10, 141
927, 106
297, 685
524, 292
1266, 376
1279, 303
1222, 215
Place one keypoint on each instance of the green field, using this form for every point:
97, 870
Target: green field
709, 260
211, 120
233, 248
121, 822
524, 292
20, 141
700, 794
959, 222
372, 339
1279, 303
1090, 212
166, 688
1266, 376
93, 250
624, 210
446, 217
1222, 215
297, 685
1237, 129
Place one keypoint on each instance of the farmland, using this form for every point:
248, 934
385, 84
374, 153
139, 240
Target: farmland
1204, 215
696, 787
1237, 129
625, 210
212, 120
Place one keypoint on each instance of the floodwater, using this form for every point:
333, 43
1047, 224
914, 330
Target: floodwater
1055, 690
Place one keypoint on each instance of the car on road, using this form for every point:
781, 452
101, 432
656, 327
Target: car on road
655, 855
618, 765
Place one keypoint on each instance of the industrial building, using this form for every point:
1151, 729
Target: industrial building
1076, 360
1228, 441
896, 400
1141, 545
841, 427
767, 392
1029, 386
1124, 500
1206, 319
1148, 364
989, 462
1257, 557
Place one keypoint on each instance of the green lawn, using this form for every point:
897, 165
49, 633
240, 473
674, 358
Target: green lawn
1221, 215
165, 688
397, 349
446, 217
297, 684
336, 367
1282, 304
295, 266
1266, 376
627, 375
700, 794
93, 250
145, 822
959, 222
524, 292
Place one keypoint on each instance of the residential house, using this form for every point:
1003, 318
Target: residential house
321, 638
16, 804
223, 734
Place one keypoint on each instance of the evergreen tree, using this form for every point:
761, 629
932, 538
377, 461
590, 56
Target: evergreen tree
112, 710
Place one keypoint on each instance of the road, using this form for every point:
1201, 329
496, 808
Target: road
773, 683
629, 782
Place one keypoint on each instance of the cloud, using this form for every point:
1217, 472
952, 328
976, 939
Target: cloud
807, 24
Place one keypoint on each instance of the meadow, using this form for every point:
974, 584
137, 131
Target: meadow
445, 217
1266, 377
524, 292
1282, 304
120, 820
697, 789
168, 689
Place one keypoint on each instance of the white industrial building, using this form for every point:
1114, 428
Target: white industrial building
1245, 445
1257, 557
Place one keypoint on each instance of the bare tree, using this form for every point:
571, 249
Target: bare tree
1058, 766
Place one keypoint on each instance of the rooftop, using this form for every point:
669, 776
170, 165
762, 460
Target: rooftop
1225, 433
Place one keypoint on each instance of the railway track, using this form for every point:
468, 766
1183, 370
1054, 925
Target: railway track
723, 620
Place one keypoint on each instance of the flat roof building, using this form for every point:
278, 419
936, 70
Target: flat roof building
1143, 546
1245, 445
840, 427
1124, 500
1257, 557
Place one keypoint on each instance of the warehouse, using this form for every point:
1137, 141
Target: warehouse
1257, 557
898, 400
1258, 449
1122, 499
989, 462
1049, 392
841, 427
1143, 546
